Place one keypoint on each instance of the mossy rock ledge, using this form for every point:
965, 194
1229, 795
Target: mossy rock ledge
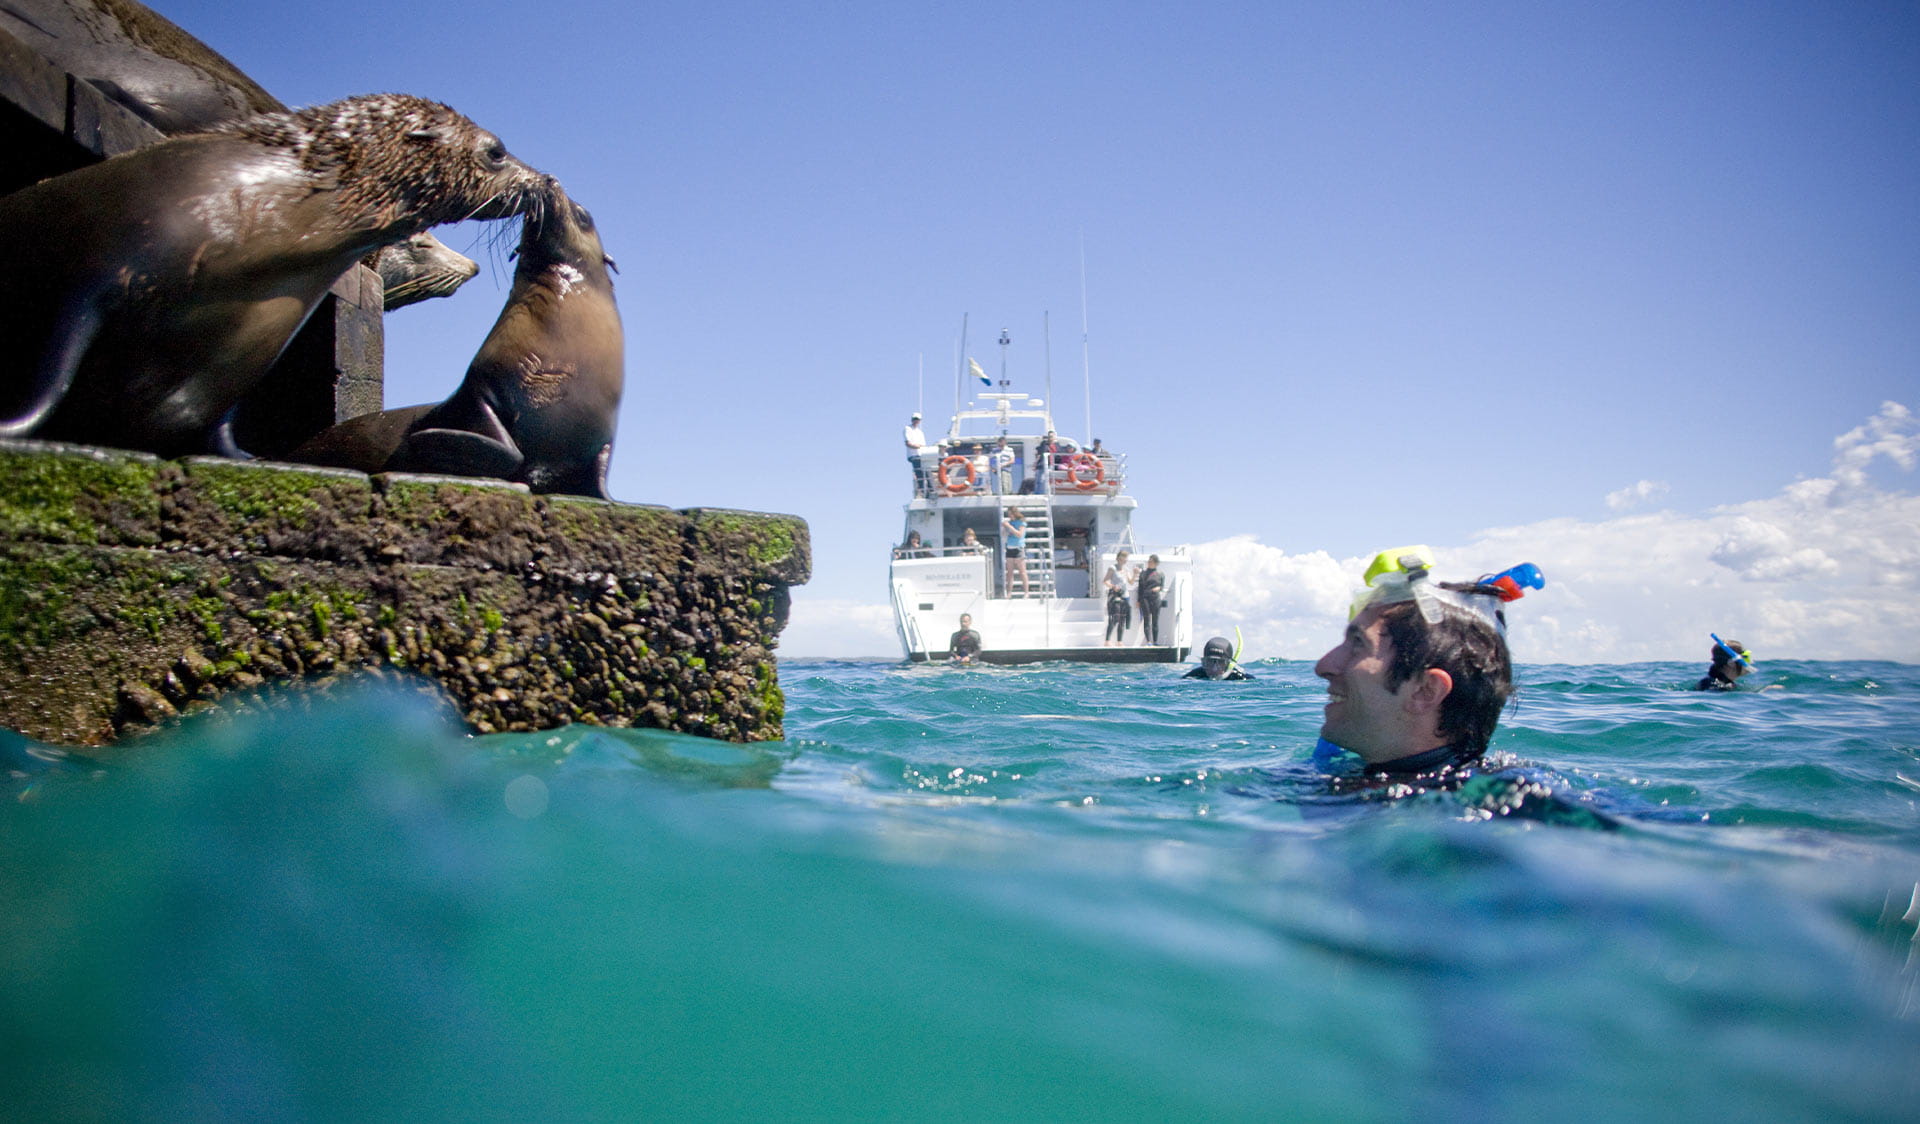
134, 589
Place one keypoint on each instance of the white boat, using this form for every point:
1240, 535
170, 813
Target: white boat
1078, 520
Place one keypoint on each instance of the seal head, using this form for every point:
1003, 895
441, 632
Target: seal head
167, 280
540, 399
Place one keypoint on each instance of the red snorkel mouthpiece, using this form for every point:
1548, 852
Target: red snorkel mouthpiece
1514, 582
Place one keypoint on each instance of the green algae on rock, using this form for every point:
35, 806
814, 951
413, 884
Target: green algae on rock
133, 589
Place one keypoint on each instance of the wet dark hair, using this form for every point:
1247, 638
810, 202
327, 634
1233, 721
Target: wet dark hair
1469, 650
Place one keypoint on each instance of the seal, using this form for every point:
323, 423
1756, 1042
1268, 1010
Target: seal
421, 268
541, 397
165, 281
149, 66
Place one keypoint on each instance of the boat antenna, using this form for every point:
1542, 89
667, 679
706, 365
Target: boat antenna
960, 365
1086, 369
1046, 345
920, 384
1005, 339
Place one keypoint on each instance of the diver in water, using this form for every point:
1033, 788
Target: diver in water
1217, 662
1418, 682
964, 643
1731, 660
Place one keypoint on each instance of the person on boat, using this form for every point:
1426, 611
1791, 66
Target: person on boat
1000, 462
1417, 683
1043, 458
982, 473
1013, 539
964, 643
970, 543
916, 440
1151, 588
1119, 583
912, 548
1217, 662
1731, 660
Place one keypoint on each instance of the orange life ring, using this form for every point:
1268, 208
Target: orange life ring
947, 481
1085, 460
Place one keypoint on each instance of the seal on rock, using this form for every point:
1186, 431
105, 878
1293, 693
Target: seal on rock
165, 281
149, 66
541, 397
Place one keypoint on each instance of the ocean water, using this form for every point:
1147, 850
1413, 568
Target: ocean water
1052, 893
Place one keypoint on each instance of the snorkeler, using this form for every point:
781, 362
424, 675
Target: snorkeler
1217, 662
1731, 660
1418, 682
965, 643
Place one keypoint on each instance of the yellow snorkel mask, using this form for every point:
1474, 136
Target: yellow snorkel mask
1403, 574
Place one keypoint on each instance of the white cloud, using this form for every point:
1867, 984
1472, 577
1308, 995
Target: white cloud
1636, 494
1891, 433
838, 628
1826, 569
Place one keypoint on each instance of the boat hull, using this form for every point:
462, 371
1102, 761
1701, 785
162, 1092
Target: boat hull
1069, 655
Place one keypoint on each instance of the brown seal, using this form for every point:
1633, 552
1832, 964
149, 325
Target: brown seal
148, 65
540, 398
421, 268
166, 280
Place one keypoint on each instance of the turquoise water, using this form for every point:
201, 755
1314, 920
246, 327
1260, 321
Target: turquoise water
1043, 894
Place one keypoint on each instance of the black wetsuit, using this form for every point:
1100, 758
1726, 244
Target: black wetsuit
1712, 682
1201, 673
964, 644
1119, 614
1151, 583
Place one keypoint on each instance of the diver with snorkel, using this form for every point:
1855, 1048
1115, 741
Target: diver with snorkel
1218, 660
1731, 660
1417, 683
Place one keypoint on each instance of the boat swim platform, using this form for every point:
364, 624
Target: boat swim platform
1131, 654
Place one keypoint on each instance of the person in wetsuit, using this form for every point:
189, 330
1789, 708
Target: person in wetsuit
965, 643
1731, 660
1152, 586
1216, 662
1119, 610
1411, 695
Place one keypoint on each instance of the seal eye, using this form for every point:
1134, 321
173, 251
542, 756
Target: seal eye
495, 154
581, 218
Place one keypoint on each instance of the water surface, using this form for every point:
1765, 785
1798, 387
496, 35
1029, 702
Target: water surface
1052, 893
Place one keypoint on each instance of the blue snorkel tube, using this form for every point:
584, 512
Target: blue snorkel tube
1731, 651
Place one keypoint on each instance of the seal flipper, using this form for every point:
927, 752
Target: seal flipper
580, 478
221, 441
454, 452
52, 375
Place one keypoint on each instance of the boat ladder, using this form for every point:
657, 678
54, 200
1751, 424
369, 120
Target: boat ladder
1038, 512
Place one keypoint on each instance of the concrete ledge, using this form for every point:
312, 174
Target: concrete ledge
133, 589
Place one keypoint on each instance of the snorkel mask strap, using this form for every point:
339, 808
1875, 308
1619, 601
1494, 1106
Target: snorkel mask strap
1404, 574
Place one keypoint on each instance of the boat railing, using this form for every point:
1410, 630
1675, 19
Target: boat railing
1083, 474
981, 549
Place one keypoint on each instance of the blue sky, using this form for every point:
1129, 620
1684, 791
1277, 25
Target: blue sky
1357, 275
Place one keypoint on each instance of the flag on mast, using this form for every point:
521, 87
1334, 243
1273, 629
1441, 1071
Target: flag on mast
974, 365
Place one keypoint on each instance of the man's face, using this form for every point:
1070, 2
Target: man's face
966, 620
1362, 715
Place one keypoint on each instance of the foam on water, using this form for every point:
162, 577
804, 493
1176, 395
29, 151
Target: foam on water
1052, 893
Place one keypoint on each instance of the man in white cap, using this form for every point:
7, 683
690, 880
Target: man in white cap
916, 442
